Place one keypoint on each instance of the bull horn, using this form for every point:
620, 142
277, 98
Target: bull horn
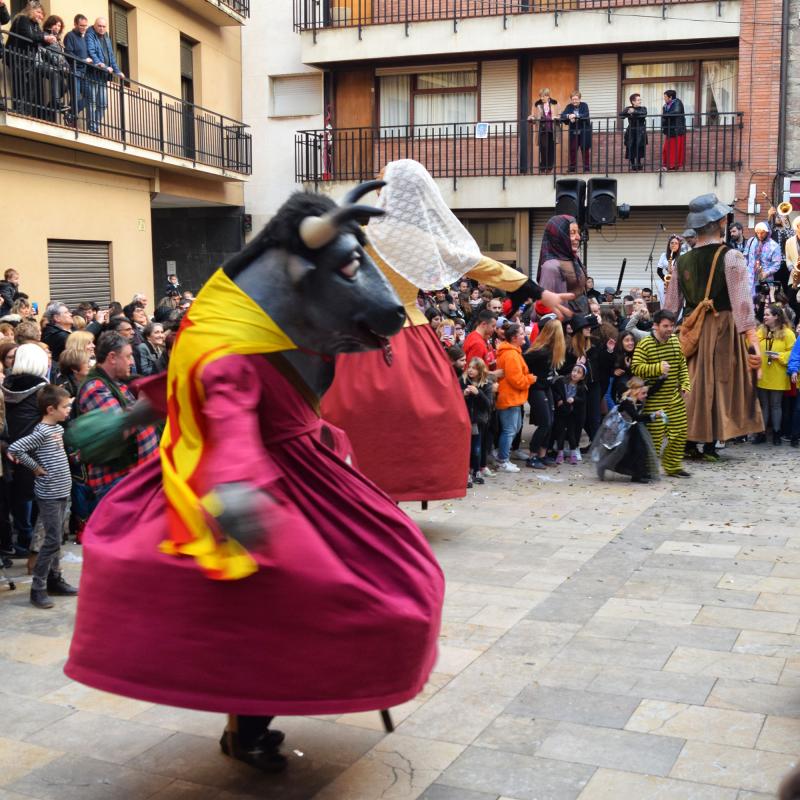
359, 191
316, 232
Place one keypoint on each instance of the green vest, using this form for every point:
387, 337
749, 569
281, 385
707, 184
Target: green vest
694, 268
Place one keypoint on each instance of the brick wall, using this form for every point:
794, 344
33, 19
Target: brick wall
758, 97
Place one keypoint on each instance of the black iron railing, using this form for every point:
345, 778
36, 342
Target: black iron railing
315, 14
712, 143
241, 7
43, 84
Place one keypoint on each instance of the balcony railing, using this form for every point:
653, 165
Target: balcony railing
712, 143
38, 84
315, 14
241, 7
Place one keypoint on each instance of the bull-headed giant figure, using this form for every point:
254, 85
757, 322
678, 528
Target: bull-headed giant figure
251, 569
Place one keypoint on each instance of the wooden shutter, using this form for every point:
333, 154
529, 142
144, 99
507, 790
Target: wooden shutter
187, 59
79, 271
598, 77
296, 95
119, 24
499, 91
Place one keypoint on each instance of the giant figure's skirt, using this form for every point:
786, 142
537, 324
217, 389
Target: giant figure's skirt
342, 615
408, 423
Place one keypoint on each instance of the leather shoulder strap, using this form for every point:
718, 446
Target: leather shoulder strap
713, 270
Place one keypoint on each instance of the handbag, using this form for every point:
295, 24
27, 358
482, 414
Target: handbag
689, 334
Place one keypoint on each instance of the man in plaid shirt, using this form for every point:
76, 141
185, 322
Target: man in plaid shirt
103, 389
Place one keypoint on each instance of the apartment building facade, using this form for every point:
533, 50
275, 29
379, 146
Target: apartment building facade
100, 208
452, 83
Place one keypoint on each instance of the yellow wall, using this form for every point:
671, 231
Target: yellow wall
42, 201
155, 28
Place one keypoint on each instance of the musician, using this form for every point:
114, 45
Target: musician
636, 133
793, 255
780, 231
763, 257
668, 260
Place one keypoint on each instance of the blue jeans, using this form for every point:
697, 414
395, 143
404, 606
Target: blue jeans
510, 422
97, 103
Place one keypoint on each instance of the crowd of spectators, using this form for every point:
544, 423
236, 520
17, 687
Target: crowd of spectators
75, 359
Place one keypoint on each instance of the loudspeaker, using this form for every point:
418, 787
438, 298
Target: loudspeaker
571, 198
601, 208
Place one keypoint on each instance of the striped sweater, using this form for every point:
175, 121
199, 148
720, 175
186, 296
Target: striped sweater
646, 363
45, 448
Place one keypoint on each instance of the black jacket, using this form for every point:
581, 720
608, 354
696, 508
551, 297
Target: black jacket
56, 339
540, 364
31, 35
8, 294
22, 409
673, 122
578, 406
479, 405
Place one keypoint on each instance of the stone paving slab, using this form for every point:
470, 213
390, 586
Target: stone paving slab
599, 641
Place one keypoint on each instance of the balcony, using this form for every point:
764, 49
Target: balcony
525, 159
51, 102
224, 13
335, 31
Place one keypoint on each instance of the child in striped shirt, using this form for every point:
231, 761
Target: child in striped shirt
43, 453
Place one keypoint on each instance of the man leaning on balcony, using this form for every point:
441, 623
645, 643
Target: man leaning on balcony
101, 51
75, 44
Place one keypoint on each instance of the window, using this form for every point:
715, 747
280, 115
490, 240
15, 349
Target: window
705, 87
428, 99
118, 31
296, 95
496, 236
187, 95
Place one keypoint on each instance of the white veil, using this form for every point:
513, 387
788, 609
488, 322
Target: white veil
420, 237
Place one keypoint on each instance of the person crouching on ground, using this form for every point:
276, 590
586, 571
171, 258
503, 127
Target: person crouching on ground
512, 394
43, 453
479, 397
660, 354
632, 453
570, 394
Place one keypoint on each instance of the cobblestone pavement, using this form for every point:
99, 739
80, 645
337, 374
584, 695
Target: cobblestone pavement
600, 641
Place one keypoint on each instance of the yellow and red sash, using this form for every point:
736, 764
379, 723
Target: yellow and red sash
223, 321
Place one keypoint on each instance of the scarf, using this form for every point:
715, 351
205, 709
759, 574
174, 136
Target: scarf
556, 245
222, 321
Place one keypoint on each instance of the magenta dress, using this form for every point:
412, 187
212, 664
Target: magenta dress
343, 614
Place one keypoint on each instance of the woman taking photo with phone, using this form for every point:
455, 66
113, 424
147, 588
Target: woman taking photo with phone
776, 339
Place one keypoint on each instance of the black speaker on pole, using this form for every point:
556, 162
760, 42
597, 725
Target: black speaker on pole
601, 204
571, 197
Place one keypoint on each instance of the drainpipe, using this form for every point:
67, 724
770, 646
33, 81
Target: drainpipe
778, 189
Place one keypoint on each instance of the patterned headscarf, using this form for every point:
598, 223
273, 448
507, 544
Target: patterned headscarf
556, 246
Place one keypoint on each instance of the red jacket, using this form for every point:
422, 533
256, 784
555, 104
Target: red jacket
475, 346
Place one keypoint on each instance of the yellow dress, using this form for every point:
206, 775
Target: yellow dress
773, 375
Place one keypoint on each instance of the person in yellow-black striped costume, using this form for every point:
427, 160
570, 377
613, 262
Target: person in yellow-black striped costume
660, 354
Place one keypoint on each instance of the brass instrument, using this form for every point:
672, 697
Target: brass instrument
783, 211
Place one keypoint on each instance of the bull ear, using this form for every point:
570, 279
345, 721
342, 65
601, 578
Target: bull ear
298, 269
359, 191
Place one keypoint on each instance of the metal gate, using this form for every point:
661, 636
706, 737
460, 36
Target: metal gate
79, 271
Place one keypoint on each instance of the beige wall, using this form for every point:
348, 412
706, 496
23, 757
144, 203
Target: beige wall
42, 201
155, 30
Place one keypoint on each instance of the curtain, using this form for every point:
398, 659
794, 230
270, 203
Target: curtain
653, 98
395, 91
437, 109
719, 90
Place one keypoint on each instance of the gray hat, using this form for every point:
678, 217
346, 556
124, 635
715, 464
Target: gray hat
689, 232
705, 209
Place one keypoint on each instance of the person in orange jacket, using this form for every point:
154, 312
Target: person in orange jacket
512, 392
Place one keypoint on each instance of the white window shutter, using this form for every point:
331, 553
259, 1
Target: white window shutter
598, 77
296, 95
499, 91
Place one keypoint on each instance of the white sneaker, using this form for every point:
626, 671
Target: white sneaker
520, 455
488, 473
507, 466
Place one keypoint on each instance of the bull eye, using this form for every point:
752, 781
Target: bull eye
350, 269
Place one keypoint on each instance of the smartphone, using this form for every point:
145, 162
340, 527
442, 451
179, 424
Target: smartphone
447, 330
35, 307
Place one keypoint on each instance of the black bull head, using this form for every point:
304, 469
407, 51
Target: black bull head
309, 271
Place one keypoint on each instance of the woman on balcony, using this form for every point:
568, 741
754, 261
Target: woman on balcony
673, 126
27, 36
544, 114
636, 132
56, 69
